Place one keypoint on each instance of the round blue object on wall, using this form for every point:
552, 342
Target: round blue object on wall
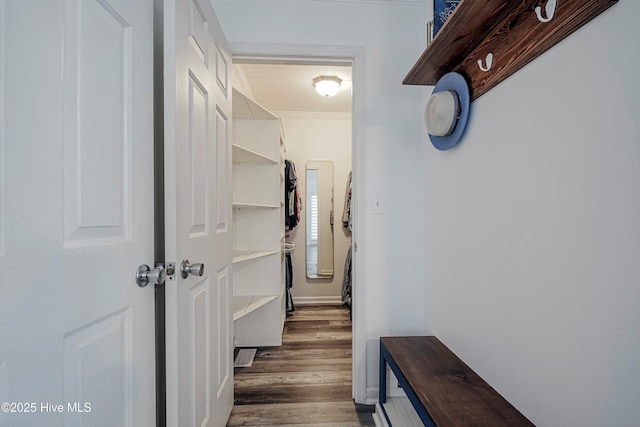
456, 83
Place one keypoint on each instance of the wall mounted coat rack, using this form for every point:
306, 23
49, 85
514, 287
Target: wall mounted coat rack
488, 40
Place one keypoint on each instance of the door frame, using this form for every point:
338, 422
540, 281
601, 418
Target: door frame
292, 53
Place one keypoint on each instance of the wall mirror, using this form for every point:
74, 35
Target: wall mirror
319, 218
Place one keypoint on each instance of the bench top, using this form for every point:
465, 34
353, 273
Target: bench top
451, 392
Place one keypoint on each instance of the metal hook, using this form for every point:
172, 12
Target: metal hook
549, 9
489, 61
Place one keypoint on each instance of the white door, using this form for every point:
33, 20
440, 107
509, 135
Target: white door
198, 215
76, 219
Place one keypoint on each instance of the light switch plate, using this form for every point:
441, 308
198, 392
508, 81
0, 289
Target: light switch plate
377, 206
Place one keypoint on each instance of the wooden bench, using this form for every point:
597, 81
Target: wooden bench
442, 389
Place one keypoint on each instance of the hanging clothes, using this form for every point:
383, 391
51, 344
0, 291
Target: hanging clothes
347, 223
291, 220
291, 196
289, 283
346, 213
346, 281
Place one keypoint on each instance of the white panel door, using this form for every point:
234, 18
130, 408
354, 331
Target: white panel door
198, 215
76, 220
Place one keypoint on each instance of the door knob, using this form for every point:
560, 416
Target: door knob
187, 269
146, 275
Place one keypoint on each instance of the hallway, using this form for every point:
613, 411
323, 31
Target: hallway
306, 381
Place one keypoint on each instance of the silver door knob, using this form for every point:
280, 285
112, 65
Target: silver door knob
187, 269
146, 275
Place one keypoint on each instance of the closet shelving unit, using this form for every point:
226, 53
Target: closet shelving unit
258, 224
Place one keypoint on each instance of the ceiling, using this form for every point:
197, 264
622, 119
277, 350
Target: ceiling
289, 87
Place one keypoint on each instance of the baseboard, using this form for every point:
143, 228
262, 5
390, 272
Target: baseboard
372, 395
317, 300
393, 390
379, 418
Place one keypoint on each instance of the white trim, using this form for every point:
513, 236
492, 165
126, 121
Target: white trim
297, 53
373, 394
317, 300
354, 56
378, 417
393, 389
2, 128
358, 253
316, 115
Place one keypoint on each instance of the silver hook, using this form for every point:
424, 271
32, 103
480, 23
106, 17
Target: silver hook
549, 9
489, 61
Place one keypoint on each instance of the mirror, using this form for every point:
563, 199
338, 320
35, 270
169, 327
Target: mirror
319, 218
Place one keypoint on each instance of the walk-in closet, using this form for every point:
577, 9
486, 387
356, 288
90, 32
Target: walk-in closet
292, 247
292, 171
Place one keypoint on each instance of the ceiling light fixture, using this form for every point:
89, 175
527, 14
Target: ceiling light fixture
327, 85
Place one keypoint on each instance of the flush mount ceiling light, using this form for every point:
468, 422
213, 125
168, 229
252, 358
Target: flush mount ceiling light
327, 85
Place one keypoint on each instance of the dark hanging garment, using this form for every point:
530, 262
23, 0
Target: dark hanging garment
346, 282
347, 222
346, 213
289, 283
287, 193
291, 197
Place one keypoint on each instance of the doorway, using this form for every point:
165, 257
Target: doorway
318, 143
262, 75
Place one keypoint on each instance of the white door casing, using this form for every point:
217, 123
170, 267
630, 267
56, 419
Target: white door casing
76, 213
198, 214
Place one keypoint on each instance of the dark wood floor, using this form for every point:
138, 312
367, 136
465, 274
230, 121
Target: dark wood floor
307, 380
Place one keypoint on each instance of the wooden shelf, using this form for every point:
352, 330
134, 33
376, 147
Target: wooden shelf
508, 30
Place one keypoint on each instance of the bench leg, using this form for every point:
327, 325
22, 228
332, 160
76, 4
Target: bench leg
386, 359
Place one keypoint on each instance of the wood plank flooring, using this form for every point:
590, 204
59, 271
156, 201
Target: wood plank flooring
307, 380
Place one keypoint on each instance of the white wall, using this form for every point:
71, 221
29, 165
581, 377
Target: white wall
390, 150
532, 228
319, 136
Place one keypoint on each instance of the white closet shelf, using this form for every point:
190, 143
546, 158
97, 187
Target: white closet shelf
244, 155
245, 304
240, 205
258, 217
246, 108
241, 256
